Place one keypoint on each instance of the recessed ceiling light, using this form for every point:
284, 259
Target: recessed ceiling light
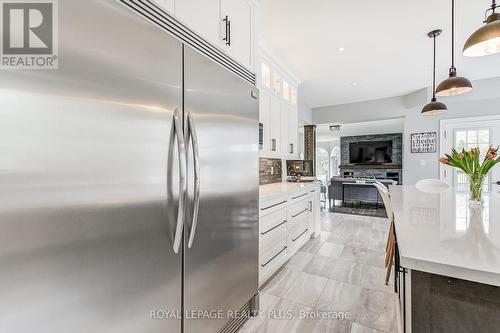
354, 84
341, 49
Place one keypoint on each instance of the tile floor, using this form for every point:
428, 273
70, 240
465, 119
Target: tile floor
340, 271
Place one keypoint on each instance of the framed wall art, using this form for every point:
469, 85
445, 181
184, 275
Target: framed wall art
424, 142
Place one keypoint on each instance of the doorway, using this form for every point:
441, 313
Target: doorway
467, 133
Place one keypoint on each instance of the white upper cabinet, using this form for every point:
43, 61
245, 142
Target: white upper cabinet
202, 16
168, 5
236, 29
227, 24
278, 113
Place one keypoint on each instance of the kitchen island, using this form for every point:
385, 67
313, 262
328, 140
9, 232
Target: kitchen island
447, 265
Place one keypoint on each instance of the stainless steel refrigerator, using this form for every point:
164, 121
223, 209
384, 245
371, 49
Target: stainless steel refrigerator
128, 179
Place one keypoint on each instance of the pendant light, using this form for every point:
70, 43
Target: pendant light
434, 107
485, 40
453, 85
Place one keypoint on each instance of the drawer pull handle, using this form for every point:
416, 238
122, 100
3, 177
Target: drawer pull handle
299, 196
279, 203
293, 240
305, 210
279, 225
277, 254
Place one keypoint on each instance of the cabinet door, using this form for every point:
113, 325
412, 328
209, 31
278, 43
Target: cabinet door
285, 142
200, 15
168, 5
265, 117
239, 30
293, 130
275, 127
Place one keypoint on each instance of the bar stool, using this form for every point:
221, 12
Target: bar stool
391, 241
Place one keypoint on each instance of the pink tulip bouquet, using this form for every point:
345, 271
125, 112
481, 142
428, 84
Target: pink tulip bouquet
469, 162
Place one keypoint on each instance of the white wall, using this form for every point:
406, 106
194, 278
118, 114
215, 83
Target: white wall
305, 112
483, 100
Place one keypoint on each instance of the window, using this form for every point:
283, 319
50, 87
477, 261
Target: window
467, 139
265, 75
293, 96
322, 164
277, 83
286, 91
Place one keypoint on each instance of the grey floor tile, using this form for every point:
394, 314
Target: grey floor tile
266, 303
281, 282
299, 260
358, 328
340, 297
374, 278
376, 309
306, 289
354, 253
364, 256
332, 250
324, 326
350, 250
321, 266
285, 317
375, 258
347, 271
312, 246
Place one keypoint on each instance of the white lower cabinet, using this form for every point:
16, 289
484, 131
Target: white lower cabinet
286, 223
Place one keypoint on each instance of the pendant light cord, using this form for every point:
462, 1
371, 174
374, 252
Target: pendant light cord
434, 71
453, 35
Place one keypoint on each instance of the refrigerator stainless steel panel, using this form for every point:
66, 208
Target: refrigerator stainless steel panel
221, 260
87, 207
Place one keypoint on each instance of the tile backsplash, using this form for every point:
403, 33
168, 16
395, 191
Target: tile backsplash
270, 170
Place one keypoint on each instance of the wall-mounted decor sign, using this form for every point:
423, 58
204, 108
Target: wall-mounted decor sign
424, 142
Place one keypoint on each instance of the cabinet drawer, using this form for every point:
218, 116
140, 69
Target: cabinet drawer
298, 237
269, 267
297, 209
272, 238
271, 206
298, 196
268, 222
299, 220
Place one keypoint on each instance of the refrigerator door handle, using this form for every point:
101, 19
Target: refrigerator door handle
181, 147
196, 158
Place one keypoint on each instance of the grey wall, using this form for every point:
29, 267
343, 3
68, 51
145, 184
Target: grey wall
483, 100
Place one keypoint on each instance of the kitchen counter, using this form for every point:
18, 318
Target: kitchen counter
439, 233
272, 191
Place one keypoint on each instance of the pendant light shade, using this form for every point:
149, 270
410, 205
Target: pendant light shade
485, 40
434, 107
453, 85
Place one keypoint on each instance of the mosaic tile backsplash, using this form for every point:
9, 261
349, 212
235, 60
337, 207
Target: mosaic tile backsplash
270, 170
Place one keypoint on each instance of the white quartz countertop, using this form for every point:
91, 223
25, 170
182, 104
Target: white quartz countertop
440, 234
272, 191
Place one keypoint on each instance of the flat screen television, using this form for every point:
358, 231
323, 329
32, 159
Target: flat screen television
370, 152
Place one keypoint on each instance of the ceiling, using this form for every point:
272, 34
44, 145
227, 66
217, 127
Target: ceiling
387, 52
323, 133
